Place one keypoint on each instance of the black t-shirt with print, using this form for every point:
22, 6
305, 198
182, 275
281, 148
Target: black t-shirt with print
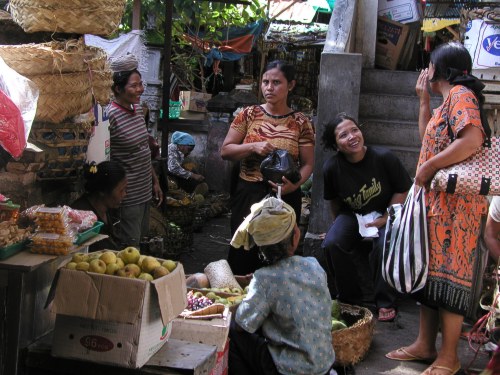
367, 185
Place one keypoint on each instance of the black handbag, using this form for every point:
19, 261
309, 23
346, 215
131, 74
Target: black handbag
277, 164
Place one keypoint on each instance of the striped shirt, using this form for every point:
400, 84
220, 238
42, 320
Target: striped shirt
129, 147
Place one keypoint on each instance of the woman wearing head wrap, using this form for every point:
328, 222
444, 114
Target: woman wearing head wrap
105, 188
130, 148
255, 133
283, 325
181, 146
453, 219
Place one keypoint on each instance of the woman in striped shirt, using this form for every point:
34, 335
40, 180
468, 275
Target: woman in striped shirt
129, 147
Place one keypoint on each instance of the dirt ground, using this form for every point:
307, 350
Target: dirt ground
212, 243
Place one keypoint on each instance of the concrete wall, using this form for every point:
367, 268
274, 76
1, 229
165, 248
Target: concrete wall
339, 90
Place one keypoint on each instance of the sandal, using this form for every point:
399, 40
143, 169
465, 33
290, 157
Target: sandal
443, 370
386, 314
402, 354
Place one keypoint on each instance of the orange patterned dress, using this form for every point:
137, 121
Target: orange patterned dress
454, 220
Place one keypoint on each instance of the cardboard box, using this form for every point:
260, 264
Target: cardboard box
391, 38
209, 332
194, 101
403, 11
114, 320
482, 40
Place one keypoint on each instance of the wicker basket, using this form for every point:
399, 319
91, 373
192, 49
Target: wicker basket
65, 147
351, 344
182, 215
177, 241
66, 134
53, 57
98, 17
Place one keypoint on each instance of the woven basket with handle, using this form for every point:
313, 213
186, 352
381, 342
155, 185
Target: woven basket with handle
352, 343
98, 17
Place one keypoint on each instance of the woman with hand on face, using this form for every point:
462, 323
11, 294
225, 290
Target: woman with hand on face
130, 148
362, 180
256, 132
105, 188
453, 219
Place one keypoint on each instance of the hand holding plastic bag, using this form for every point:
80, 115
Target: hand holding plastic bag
18, 100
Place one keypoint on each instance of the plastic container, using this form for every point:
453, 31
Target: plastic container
89, 233
15, 248
174, 110
51, 243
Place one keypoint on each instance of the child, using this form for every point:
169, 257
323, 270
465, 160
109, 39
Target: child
283, 326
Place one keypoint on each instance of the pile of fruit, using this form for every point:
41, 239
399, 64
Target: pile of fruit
226, 296
126, 263
197, 301
337, 321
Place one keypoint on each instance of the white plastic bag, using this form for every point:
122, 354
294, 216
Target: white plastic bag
24, 95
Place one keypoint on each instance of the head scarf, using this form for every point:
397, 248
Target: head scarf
124, 63
270, 222
180, 138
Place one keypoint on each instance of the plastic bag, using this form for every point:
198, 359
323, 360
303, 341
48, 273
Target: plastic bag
406, 245
18, 100
278, 164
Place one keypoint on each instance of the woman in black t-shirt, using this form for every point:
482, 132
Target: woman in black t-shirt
363, 180
105, 188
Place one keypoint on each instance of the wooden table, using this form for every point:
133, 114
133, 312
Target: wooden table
174, 358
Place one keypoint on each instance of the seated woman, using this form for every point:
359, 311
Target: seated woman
105, 187
283, 325
189, 181
362, 180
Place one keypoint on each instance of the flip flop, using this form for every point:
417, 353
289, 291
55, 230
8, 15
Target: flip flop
386, 314
429, 370
402, 354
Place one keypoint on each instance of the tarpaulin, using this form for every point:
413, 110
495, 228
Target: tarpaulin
239, 41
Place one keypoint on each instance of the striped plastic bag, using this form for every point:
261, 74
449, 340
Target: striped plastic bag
406, 244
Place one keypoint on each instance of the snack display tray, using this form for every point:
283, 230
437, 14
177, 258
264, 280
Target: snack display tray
15, 248
89, 233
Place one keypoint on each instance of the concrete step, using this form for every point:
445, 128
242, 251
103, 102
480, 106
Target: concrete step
390, 132
388, 82
391, 107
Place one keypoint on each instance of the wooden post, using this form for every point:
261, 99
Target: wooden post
366, 31
136, 15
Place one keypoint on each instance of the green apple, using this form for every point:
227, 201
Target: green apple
120, 263
71, 265
82, 266
145, 276
169, 265
134, 268
97, 266
108, 257
123, 273
129, 255
112, 268
94, 255
141, 258
149, 264
159, 272
80, 257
